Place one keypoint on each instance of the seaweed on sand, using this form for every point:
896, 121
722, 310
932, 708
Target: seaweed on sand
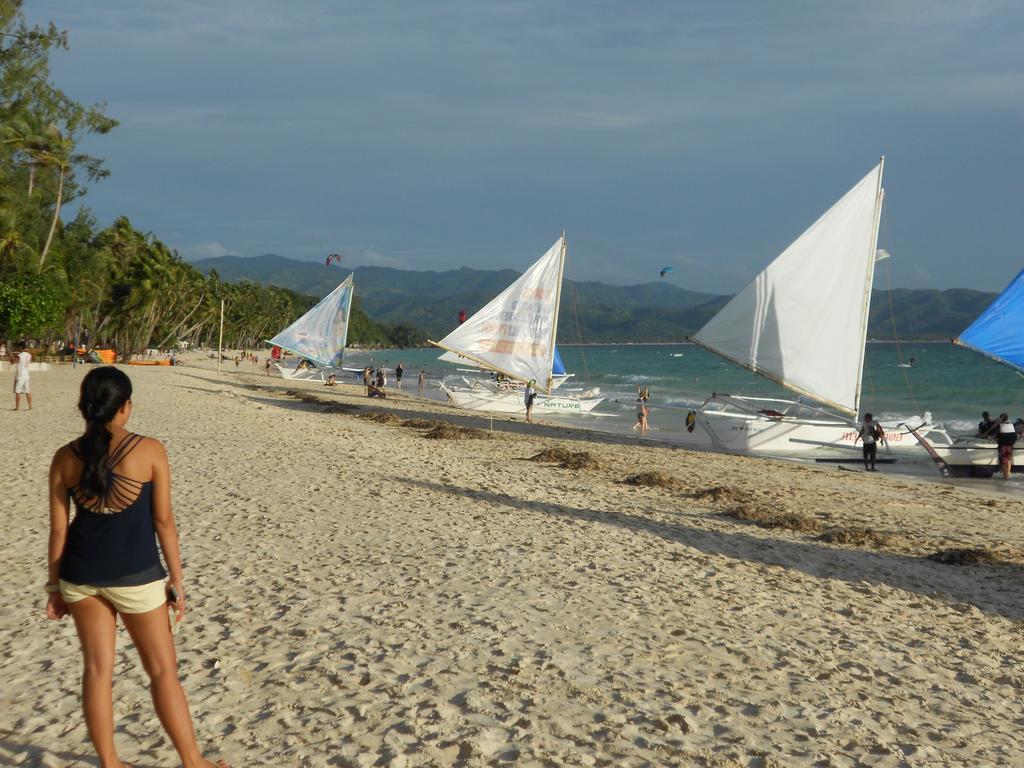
552, 455
856, 536
381, 417
654, 480
717, 494
420, 423
445, 431
965, 557
769, 518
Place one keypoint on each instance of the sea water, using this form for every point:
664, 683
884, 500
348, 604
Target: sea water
954, 384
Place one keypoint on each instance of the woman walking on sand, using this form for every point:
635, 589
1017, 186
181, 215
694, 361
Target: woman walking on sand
106, 561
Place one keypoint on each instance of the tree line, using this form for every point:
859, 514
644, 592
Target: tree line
125, 288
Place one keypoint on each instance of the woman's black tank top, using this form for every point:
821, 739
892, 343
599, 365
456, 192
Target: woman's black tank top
112, 541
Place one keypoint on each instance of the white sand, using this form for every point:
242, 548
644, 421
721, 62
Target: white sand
361, 595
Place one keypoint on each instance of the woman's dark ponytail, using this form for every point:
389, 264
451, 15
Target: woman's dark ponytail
104, 391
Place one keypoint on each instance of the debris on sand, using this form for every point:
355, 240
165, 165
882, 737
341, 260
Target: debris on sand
770, 518
965, 557
857, 537
654, 480
420, 423
445, 431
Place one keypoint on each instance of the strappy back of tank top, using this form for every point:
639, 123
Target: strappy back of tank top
122, 491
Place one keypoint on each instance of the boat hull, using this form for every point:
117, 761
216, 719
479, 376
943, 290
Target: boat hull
476, 399
291, 373
819, 439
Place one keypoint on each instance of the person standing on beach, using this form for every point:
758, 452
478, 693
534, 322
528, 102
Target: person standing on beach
22, 384
106, 562
529, 395
642, 411
870, 432
422, 383
1006, 437
398, 374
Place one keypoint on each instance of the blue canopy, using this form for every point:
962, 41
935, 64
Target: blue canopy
999, 330
557, 366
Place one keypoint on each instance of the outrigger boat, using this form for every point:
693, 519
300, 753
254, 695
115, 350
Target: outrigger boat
802, 323
514, 337
318, 337
996, 334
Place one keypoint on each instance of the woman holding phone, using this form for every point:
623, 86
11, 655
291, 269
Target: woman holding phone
105, 563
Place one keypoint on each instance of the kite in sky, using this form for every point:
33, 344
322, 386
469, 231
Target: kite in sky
332, 258
665, 270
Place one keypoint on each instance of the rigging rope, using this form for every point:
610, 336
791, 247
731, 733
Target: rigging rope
887, 237
579, 333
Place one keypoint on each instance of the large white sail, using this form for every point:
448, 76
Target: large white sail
321, 333
803, 321
515, 333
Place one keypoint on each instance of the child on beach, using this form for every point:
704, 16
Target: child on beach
22, 383
106, 562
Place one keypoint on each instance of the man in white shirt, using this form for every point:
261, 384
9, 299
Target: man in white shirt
22, 386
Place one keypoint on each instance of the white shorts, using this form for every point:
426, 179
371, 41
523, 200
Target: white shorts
22, 386
140, 599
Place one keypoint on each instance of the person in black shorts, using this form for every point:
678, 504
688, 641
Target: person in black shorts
871, 433
1006, 437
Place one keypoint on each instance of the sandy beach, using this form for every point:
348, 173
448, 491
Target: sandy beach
361, 594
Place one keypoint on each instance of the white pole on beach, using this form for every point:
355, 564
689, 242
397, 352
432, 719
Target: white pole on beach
220, 339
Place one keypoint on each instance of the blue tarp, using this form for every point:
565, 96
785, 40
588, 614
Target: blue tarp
557, 366
999, 330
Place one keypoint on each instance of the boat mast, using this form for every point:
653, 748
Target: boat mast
868, 283
348, 313
554, 323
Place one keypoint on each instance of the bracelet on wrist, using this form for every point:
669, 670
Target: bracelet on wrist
50, 588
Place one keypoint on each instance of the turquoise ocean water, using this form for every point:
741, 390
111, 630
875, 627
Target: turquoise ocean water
953, 383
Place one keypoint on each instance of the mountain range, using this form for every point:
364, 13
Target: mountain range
591, 311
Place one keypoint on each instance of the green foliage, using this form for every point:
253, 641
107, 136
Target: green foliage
31, 306
124, 288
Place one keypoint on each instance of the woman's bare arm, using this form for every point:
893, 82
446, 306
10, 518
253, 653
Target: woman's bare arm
60, 510
163, 518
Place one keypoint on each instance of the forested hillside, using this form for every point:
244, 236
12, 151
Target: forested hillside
591, 311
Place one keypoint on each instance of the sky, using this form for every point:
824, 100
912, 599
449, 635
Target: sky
435, 135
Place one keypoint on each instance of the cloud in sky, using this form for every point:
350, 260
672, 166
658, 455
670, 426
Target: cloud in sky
463, 133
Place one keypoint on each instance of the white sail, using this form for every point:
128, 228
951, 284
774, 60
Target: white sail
803, 321
321, 333
515, 333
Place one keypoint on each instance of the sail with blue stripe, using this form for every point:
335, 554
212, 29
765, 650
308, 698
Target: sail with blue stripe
997, 333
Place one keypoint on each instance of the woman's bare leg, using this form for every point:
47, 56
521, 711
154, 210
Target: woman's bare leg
95, 620
151, 633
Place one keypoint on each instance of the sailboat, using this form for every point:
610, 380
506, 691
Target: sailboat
513, 336
996, 334
318, 337
802, 323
